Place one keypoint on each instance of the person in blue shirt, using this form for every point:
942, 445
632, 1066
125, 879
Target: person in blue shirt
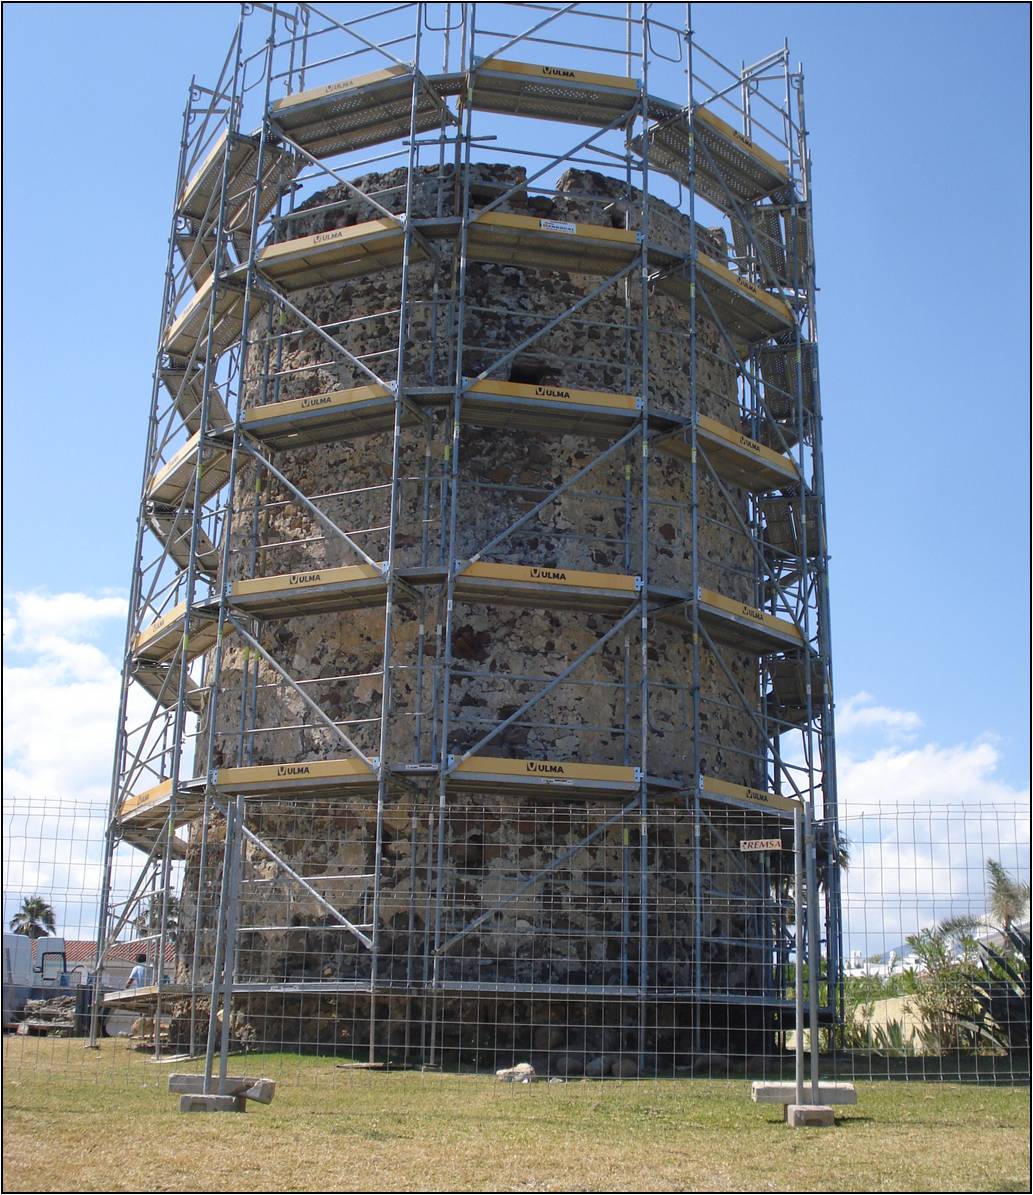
138, 975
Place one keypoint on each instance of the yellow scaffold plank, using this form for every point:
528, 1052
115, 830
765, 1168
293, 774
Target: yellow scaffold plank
730, 168
735, 457
549, 408
161, 640
140, 803
366, 110
539, 243
313, 592
317, 418
491, 773
540, 586
199, 200
173, 484
743, 626
335, 255
745, 797
187, 335
142, 817
551, 92
746, 312
295, 779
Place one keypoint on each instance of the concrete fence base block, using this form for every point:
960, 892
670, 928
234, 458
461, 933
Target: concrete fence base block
261, 1090
212, 1103
768, 1092
810, 1116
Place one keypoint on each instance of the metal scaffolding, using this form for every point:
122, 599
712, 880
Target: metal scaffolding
274, 197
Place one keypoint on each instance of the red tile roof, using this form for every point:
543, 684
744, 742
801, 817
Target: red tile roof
84, 951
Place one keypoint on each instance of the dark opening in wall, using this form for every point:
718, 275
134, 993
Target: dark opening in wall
531, 373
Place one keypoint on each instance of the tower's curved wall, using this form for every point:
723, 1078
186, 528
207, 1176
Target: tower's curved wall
580, 925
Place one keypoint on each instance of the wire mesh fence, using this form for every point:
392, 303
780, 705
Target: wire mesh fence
588, 941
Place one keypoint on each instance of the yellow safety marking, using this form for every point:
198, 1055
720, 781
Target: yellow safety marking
546, 769
747, 289
540, 575
318, 93
780, 626
713, 787
326, 576
229, 779
336, 236
595, 232
736, 439
593, 398
332, 400
151, 796
705, 116
558, 74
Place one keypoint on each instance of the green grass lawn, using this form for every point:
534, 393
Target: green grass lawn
104, 1121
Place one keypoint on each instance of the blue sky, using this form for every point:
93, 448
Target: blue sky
918, 117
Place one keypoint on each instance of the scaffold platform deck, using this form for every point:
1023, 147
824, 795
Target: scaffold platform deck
161, 640
543, 588
552, 408
199, 200
292, 779
542, 777
185, 390
336, 255
173, 484
746, 628
530, 89
319, 418
730, 168
711, 788
162, 682
735, 624
187, 335
294, 595
367, 110
735, 457
172, 527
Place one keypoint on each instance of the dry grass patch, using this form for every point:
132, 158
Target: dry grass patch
104, 1121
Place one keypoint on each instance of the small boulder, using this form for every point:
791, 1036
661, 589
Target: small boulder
523, 1072
568, 1064
547, 1037
624, 1068
598, 1067
710, 1066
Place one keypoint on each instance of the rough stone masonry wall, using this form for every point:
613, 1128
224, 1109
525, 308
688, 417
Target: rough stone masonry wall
573, 929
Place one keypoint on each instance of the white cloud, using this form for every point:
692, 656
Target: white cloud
859, 713
61, 696
922, 819
63, 617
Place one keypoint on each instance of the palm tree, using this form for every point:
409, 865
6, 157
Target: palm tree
35, 918
1008, 897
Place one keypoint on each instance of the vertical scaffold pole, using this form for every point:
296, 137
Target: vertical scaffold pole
392, 532
644, 943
